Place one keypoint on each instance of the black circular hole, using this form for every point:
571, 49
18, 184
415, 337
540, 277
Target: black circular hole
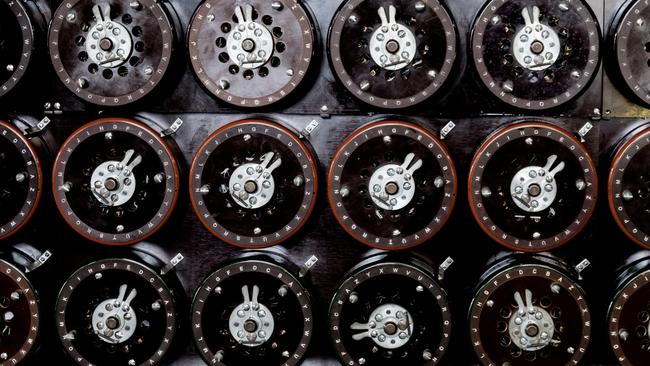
364, 59
93, 68
280, 47
263, 72
234, 69
127, 19
123, 71
83, 56
134, 61
248, 74
226, 27
502, 326
139, 46
275, 61
221, 42
530, 356
556, 312
80, 41
223, 57
545, 302
277, 32
267, 19
515, 351
137, 31
368, 204
85, 27
107, 74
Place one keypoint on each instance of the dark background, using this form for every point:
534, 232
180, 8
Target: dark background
466, 102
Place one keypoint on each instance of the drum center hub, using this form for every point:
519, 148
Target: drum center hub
534, 189
252, 185
531, 327
251, 323
393, 46
536, 46
114, 320
392, 186
390, 326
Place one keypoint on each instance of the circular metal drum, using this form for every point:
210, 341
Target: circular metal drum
111, 53
392, 185
17, 36
116, 311
529, 311
532, 186
19, 315
254, 183
390, 310
254, 310
392, 54
536, 55
629, 312
254, 54
116, 181
629, 187
631, 46
21, 182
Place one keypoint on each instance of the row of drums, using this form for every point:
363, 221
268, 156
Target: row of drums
257, 307
391, 185
532, 55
